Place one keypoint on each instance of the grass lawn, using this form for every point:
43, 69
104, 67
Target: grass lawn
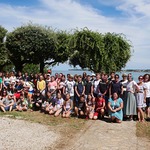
45, 119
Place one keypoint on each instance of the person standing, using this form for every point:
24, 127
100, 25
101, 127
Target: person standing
124, 95
79, 90
115, 86
88, 86
131, 101
140, 97
96, 84
41, 85
147, 84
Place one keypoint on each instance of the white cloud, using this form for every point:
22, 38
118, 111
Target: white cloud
69, 14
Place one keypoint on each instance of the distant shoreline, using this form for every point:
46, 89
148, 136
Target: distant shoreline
127, 70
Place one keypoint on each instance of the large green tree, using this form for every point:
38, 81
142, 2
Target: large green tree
30, 44
99, 52
3, 53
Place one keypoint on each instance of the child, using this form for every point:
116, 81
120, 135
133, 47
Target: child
58, 105
67, 107
80, 109
7, 102
22, 104
38, 99
99, 107
90, 106
49, 104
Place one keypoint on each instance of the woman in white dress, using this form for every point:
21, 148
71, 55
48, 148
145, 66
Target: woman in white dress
140, 97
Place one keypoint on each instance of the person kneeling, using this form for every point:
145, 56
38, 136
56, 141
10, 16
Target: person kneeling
67, 106
58, 105
100, 107
81, 108
115, 105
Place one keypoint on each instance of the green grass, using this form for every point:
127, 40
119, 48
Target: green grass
45, 119
143, 129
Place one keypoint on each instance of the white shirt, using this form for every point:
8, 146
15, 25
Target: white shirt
147, 86
70, 87
29, 85
131, 85
95, 84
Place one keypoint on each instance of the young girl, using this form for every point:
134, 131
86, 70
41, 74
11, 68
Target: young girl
58, 105
22, 104
90, 106
50, 103
99, 107
67, 106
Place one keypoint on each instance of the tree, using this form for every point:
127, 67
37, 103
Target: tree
62, 51
30, 44
99, 52
118, 51
3, 53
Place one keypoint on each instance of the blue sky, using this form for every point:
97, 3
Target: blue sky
130, 17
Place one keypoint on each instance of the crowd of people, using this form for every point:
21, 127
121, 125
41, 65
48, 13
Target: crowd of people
83, 96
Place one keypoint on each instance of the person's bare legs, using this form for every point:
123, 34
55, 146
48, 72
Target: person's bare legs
10, 108
57, 113
91, 115
68, 114
118, 121
76, 111
3, 109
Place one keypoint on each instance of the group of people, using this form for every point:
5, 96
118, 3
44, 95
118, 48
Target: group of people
84, 96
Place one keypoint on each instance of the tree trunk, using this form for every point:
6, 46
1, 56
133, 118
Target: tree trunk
42, 65
18, 67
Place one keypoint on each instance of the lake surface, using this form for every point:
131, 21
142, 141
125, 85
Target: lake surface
80, 72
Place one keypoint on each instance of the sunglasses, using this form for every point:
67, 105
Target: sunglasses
140, 78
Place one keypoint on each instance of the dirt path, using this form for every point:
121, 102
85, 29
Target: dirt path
101, 135
19, 134
97, 135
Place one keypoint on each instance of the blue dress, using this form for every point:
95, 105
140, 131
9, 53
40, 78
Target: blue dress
114, 105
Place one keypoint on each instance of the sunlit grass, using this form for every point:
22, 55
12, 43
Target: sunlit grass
45, 119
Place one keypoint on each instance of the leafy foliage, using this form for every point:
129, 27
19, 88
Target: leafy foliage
99, 52
3, 57
38, 45
30, 44
31, 68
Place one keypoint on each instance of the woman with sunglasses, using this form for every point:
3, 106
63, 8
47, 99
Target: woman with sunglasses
130, 107
140, 97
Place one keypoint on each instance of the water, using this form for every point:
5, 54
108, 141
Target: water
80, 72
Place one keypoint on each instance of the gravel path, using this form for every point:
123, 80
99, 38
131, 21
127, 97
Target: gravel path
97, 135
18, 134
101, 135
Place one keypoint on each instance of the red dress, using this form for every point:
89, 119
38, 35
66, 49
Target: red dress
99, 103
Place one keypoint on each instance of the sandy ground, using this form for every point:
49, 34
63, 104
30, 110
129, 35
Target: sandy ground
96, 135
18, 134
101, 135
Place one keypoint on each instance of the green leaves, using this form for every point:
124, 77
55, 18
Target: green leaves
34, 44
3, 53
108, 52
